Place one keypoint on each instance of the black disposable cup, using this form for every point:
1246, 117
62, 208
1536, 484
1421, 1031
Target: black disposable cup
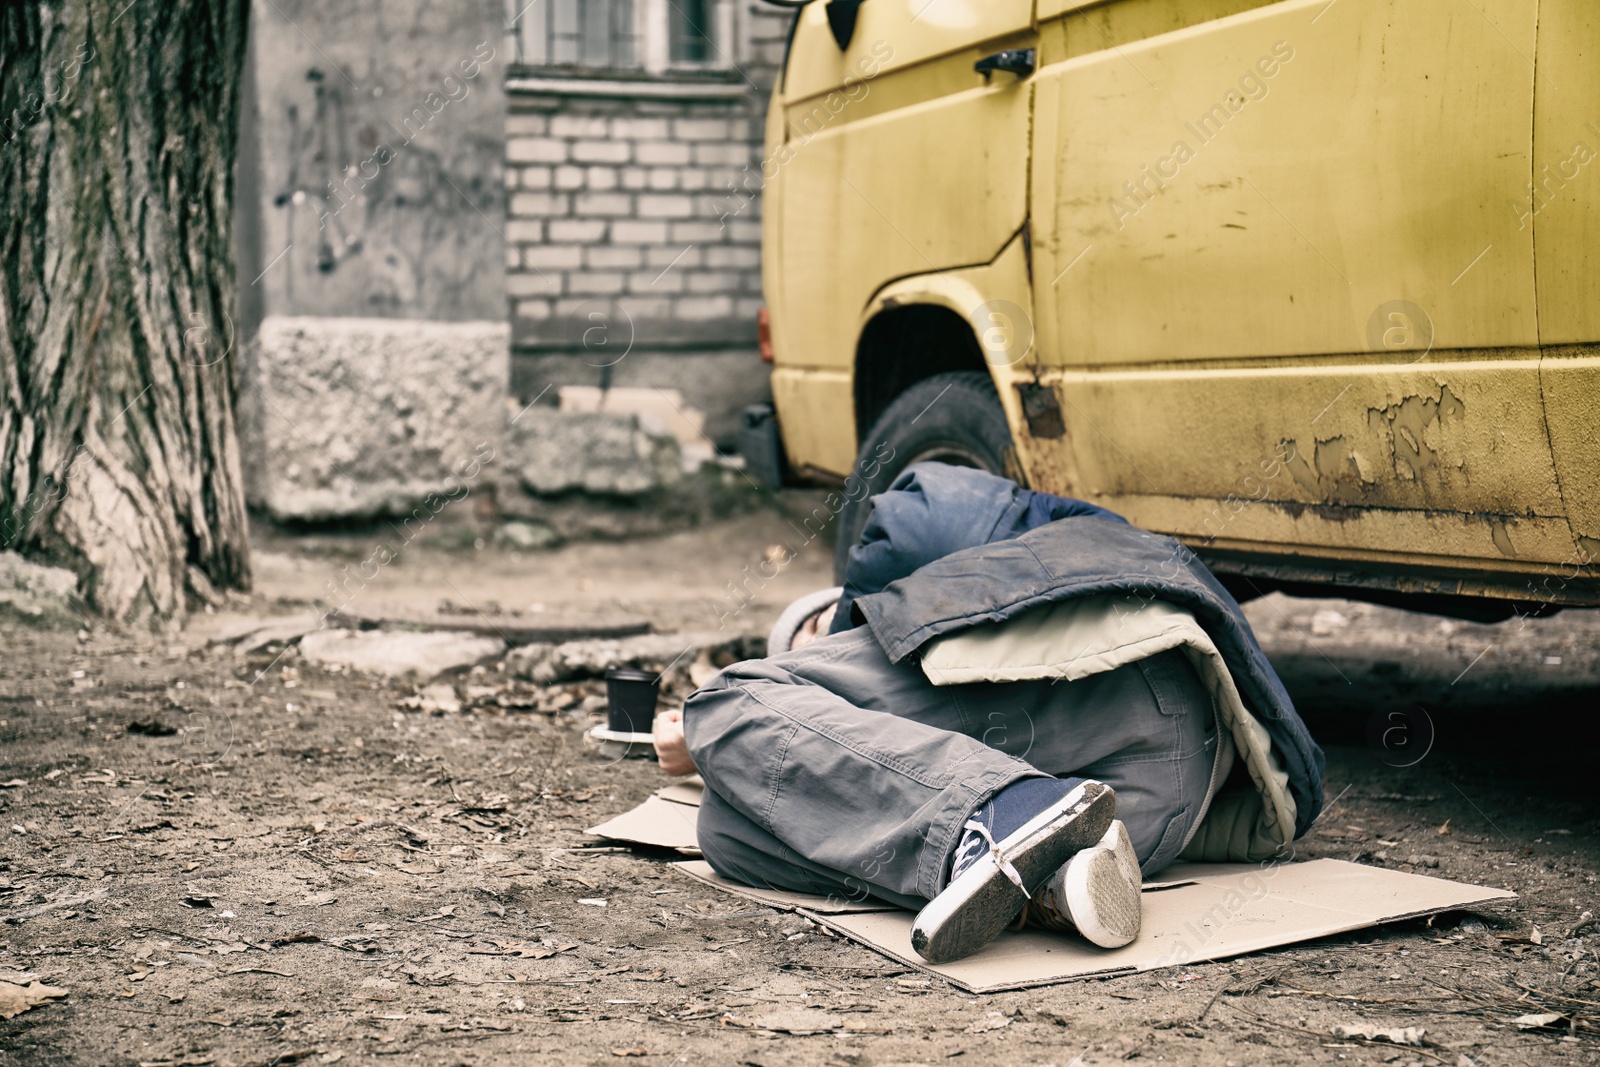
631, 699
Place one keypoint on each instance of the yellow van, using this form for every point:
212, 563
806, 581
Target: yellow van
1310, 285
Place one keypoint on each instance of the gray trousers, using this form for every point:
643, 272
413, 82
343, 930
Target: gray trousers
831, 771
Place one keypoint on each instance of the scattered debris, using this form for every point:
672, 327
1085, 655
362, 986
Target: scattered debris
398, 654
46, 596
1400, 1035
671, 654
1326, 621
800, 1022
514, 629
39, 909
255, 634
440, 698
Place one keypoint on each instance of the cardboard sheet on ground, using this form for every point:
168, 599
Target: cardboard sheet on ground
665, 820
1197, 912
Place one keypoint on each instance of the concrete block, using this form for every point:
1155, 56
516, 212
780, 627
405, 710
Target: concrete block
613, 257
535, 281
553, 257
524, 231
611, 205
597, 452
577, 231
638, 233
535, 150
719, 382
598, 283
658, 408
713, 282
644, 308
591, 126
538, 204
737, 256
662, 153
697, 232
575, 309
705, 307
522, 124
358, 418
720, 204
663, 257
656, 281
600, 179
640, 129
601, 151
733, 154
701, 129
658, 206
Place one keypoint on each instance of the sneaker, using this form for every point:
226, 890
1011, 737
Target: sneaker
1094, 894
1013, 844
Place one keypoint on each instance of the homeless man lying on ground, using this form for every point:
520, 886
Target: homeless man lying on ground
1023, 701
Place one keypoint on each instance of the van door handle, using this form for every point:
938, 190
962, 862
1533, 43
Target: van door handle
1018, 61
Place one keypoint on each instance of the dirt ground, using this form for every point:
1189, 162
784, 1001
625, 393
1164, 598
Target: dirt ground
254, 860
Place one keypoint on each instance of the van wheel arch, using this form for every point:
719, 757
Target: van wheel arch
901, 346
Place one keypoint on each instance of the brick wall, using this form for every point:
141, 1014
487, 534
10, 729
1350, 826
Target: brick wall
625, 233
626, 202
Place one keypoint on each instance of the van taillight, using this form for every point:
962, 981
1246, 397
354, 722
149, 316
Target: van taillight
764, 333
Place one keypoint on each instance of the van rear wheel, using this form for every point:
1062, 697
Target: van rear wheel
953, 418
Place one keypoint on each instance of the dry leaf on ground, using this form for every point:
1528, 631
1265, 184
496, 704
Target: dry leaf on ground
16, 999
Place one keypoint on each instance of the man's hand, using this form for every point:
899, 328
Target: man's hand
672, 751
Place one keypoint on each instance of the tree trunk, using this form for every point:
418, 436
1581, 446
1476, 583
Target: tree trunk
118, 457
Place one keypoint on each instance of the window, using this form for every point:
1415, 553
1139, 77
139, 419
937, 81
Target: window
651, 36
691, 30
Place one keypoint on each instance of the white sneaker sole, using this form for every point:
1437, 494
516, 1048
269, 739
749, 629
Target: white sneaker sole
1102, 888
976, 906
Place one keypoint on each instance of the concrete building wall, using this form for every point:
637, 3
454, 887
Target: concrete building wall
634, 225
370, 194
430, 224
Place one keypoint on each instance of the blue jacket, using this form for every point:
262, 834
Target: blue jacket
937, 517
934, 509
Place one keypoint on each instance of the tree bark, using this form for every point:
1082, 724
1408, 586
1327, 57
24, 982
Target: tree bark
118, 456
